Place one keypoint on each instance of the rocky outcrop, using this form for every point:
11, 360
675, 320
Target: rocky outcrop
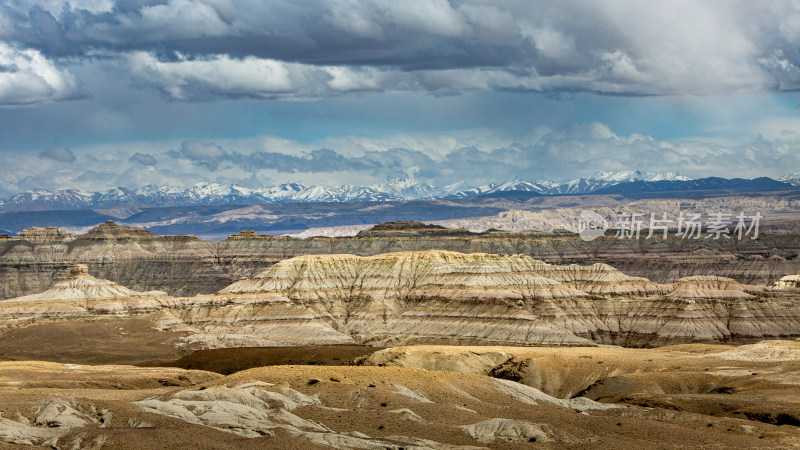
410, 277
248, 234
712, 287
42, 235
442, 297
80, 285
184, 265
411, 229
131, 257
788, 282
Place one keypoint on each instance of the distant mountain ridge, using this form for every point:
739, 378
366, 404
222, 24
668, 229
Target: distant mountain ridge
792, 178
581, 185
692, 188
622, 182
215, 194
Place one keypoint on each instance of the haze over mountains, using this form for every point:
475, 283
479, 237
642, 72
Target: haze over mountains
792, 178
209, 193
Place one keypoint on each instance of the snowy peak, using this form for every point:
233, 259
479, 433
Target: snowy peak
209, 193
577, 186
513, 185
791, 178
406, 189
628, 176
388, 190
522, 185
209, 190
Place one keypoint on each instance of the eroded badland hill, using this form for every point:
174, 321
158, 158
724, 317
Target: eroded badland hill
401, 342
183, 265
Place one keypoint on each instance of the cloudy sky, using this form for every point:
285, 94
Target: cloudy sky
101, 93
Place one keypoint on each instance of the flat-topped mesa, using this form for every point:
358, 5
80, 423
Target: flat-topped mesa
437, 274
78, 284
712, 287
110, 231
409, 228
42, 235
788, 282
249, 235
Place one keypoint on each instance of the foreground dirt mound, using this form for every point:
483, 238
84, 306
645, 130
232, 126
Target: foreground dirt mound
229, 360
52, 405
760, 381
77, 406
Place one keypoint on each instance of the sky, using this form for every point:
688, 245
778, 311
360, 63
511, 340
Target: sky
96, 94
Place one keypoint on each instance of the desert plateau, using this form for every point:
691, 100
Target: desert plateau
419, 348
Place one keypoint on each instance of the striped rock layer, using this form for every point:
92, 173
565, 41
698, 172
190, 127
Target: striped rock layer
447, 298
78, 284
788, 282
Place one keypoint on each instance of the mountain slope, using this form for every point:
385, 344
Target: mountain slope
792, 178
577, 186
215, 194
701, 186
630, 182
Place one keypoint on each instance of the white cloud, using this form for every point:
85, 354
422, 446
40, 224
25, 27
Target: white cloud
318, 48
436, 17
56, 7
176, 19
550, 154
345, 15
28, 77
221, 75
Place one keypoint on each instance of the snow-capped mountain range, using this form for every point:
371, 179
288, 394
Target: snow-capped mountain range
792, 178
577, 186
215, 194
391, 189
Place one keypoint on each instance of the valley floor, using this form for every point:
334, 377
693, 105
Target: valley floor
695, 395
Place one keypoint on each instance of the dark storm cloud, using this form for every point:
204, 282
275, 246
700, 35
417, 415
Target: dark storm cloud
143, 159
203, 154
58, 153
211, 156
321, 160
280, 49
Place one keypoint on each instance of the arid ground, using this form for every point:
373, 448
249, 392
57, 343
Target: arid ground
416, 397
410, 349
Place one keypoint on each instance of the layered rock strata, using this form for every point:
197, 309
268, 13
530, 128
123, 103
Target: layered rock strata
788, 282
78, 284
185, 265
440, 297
